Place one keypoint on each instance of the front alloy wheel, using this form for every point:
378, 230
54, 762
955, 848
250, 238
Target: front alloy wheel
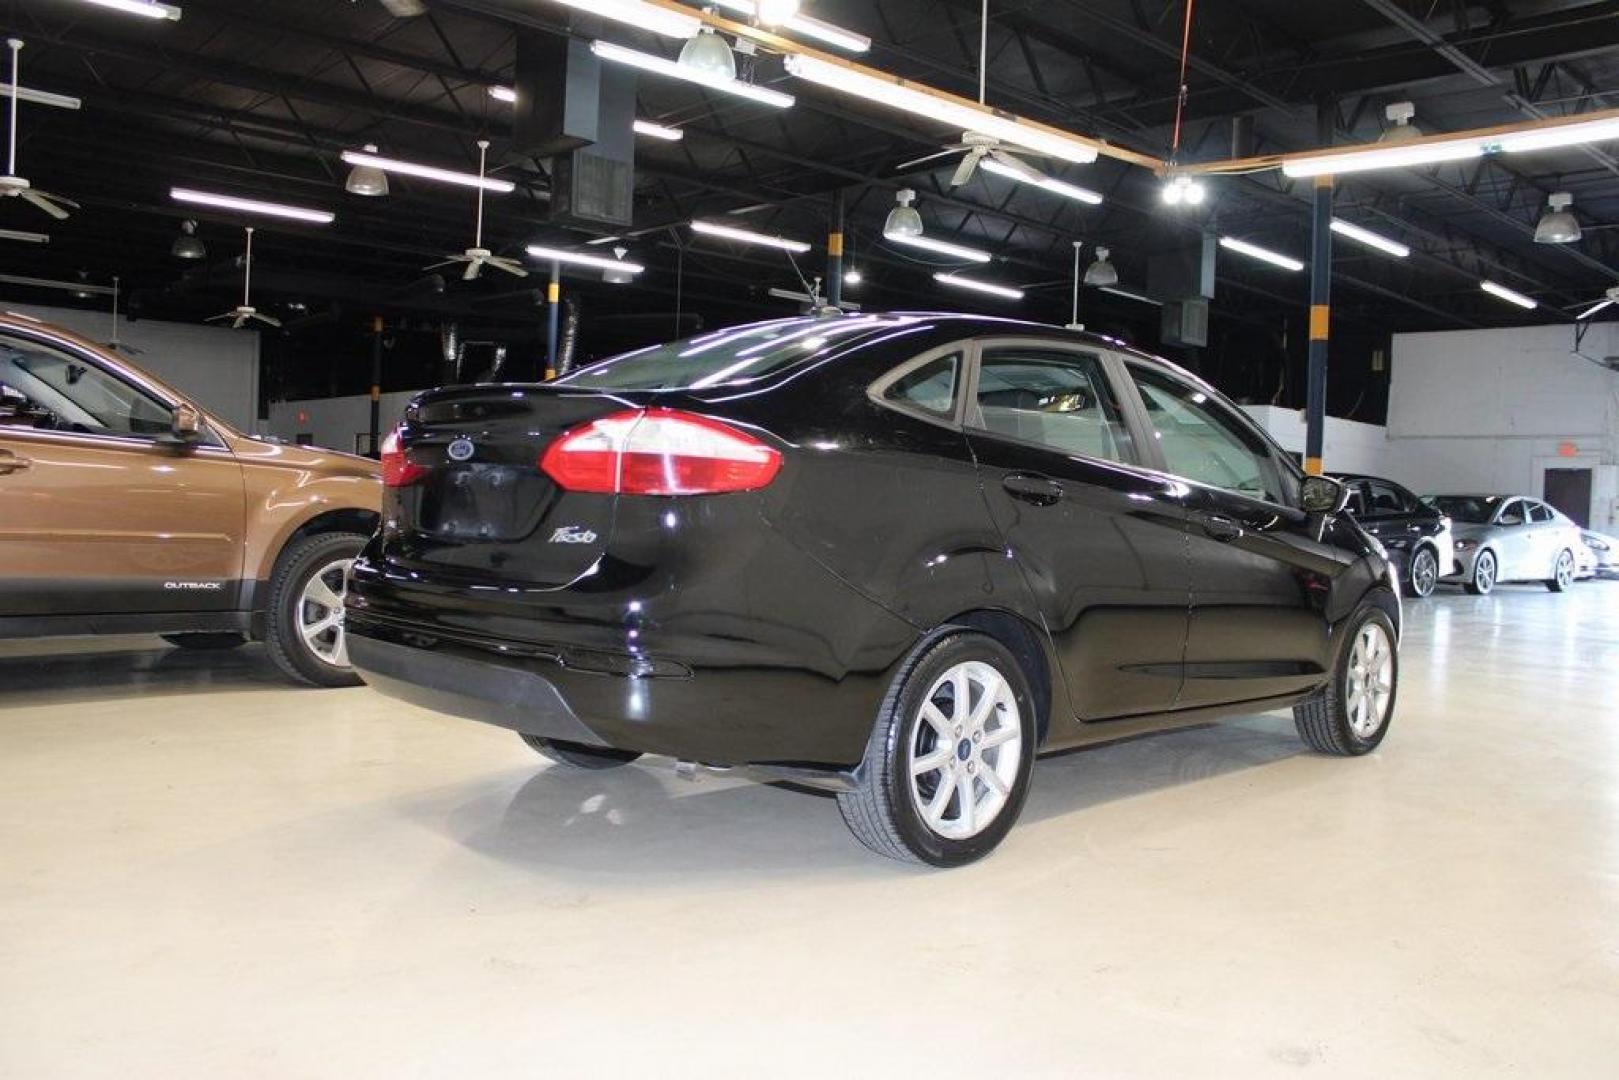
1350, 714
304, 621
1563, 576
947, 768
1424, 572
1484, 570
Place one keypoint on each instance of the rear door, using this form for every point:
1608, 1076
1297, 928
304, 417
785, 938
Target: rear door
1100, 540
1260, 576
96, 515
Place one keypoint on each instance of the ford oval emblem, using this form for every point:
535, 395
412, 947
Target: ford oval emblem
461, 449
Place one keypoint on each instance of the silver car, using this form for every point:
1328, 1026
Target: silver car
1509, 538
1604, 554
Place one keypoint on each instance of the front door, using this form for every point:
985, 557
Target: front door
1261, 569
1099, 539
97, 516
1515, 542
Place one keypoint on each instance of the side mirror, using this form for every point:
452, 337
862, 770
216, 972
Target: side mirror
1323, 495
185, 427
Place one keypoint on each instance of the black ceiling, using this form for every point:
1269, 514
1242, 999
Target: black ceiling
259, 99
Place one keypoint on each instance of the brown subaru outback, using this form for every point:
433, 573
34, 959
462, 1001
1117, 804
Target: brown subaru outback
125, 508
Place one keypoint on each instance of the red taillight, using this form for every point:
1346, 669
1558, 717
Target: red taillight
659, 452
397, 469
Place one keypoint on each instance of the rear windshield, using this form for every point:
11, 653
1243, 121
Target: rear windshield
736, 355
1468, 509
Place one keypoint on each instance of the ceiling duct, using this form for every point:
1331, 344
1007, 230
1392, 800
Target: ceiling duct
580, 112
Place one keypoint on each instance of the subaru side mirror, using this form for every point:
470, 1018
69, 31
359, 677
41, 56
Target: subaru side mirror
185, 426
1323, 495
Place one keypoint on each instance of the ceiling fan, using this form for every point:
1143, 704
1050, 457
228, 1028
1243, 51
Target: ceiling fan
1612, 297
245, 311
978, 148
12, 185
477, 256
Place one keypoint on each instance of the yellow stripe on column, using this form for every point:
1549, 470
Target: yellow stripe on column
834, 245
553, 291
1320, 320
1312, 465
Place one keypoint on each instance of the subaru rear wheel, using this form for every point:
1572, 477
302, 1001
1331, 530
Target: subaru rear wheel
948, 765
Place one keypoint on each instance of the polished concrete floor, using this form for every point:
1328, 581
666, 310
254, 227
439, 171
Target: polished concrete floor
204, 873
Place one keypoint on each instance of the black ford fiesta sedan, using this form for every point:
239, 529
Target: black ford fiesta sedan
891, 556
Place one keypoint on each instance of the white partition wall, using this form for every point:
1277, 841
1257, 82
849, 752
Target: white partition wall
217, 367
1496, 410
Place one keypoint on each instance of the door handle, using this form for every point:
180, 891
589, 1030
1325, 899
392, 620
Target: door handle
10, 463
1220, 528
1033, 488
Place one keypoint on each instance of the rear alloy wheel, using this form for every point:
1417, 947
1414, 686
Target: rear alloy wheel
1482, 583
304, 624
578, 755
1350, 715
948, 765
1562, 578
1424, 573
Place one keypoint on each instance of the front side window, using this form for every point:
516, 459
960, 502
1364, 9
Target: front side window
930, 387
1512, 514
1203, 443
42, 387
1057, 399
1540, 514
1386, 500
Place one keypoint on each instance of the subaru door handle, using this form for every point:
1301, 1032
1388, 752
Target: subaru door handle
10, 463
1033, 488
1220, 528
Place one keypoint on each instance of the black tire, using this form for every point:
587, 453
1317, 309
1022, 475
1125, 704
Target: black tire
881, 812
207, 641
578, 755
1323, 719
1482, 584
1423, 574
300, 562
1563, 575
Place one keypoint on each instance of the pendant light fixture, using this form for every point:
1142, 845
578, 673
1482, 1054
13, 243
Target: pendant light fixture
366, 179
187, 245
1558, 225
904, 219
1101, 273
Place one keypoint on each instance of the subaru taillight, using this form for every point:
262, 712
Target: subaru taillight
397, 468
659, 452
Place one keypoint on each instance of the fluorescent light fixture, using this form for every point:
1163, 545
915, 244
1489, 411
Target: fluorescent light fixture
1128, 295
508, 94
1383, 157
1369, 238
658, 131
641, 16
1562, 135
1509, 295
579, 258
806, 26
745, 236
979, 286
428, 172
25, 237
1254, 251
252, 206
657, 65
941, 247
148, 8
41, 97
897, 93
1049, 183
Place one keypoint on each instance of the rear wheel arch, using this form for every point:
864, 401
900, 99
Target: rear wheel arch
1026, 644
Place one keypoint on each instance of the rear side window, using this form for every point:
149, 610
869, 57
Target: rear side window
1202, 442
1057, 399
1386, 500
930, 387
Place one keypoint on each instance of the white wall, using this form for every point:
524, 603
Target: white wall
217, 367
1491, 410
1349, 445
334, 422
